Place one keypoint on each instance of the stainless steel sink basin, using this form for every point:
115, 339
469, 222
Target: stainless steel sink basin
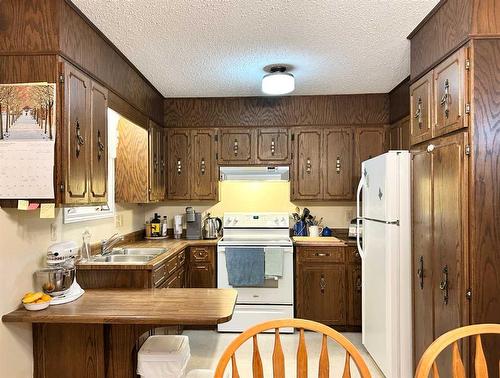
138, 251
120, 259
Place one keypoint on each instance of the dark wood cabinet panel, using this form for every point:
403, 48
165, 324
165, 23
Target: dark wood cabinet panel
236, 146
307, 175
354, 295
202, 273
421, 109
337, 157
449, 94
178, 164
369, 142
76, 131
405, 134
394, 137
98, 143
204, 178
322, 289
273, 145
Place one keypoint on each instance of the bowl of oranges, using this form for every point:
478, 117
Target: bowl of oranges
36, 301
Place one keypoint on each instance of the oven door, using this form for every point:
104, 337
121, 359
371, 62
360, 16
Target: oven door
274, 291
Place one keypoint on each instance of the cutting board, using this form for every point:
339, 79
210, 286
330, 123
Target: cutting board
317, 239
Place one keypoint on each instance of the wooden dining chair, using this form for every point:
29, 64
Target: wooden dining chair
278, 356
428, 360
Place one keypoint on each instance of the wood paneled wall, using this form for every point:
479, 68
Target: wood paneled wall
485, 191
49, 27
28, 68
399, 101
277, 111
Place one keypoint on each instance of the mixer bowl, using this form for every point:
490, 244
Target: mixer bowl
56, 281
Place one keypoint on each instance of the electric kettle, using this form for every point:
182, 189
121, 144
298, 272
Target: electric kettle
212, 227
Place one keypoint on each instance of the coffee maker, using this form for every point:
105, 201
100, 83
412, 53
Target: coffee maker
193, 224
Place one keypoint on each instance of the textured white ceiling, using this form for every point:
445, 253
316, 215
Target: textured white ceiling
207, 48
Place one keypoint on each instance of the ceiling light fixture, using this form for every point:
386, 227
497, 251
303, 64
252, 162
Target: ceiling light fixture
278, 81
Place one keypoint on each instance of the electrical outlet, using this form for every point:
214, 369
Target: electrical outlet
119, 220
53, 232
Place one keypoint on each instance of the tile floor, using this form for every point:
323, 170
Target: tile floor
208, 346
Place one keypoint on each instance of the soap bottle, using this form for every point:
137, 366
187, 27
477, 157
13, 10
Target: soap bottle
156, 226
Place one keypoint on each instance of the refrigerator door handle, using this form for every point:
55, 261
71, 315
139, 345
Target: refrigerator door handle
358, 216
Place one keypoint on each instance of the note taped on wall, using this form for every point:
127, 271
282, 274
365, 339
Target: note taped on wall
27, 134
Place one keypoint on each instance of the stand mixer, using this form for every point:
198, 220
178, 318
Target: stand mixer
59, 278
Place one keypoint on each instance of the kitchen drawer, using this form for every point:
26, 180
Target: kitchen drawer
353, 255
171, 265
201, 254
181, 258
159, 274
321, 254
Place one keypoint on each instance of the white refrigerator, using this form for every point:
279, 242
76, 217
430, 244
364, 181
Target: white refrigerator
383, 207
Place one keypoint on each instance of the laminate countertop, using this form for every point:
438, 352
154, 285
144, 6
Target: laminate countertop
171, 245
138, 306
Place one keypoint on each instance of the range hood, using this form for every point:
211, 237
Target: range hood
281, 173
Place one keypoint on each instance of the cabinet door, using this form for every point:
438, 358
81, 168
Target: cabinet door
178, 164
449, 94
337, 163
76, 146
322, 293
420, 109
161, 182
369, 142
307, 164
98, 143
154, 161
236, 146
395, 137
450, 255
204, 177
201, 275
423, 323
273, 146
354, 295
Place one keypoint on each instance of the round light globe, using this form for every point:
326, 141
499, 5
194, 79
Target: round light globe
278, 83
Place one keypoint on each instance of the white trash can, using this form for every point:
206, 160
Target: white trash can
164, 356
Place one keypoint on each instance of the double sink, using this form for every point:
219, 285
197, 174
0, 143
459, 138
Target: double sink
128, 256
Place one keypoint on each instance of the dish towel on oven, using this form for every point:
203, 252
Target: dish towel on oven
245, 266
274, 262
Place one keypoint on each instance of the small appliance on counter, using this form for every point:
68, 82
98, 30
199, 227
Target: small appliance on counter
193, 224
59, 278
353, 230
212, 227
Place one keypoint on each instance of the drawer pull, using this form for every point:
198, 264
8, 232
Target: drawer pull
418, 113
358, 284
443, 285
337, 165
356, 254
100, 146
318, 254
235, 147
322, 284
80, 141
179, 166
203, 166
445, 99
273, 147
308, 166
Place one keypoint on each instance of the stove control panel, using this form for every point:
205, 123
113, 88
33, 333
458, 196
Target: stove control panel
256, 220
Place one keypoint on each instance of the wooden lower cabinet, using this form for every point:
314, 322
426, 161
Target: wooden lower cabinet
202, 273
328, 285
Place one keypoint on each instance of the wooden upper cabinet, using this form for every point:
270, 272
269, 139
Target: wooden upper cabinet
178, 186
154, 161
76, 131
369, 142
98, 143
236, 146
307, 175
394, 137
404, 134
273, 146
204, 173
449, 94
421, 109
337, 163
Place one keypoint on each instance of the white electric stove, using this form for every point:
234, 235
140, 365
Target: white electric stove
273, 300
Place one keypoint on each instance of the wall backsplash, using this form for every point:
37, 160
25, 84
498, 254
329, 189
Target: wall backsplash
259, 196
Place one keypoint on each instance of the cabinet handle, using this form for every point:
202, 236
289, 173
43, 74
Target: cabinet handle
445, 99
100, 146
322, 283
202, 166
201, 254
443, 285
358, 284
235, 147
319, 254
80, 141
308, 166
356, 254
273, 147
337, 165
418, 113
179, 166
430, 147
420, 271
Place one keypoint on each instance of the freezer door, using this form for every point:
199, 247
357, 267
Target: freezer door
380, 295
380, 190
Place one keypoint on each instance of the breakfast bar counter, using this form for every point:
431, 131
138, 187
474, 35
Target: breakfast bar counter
97, 335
